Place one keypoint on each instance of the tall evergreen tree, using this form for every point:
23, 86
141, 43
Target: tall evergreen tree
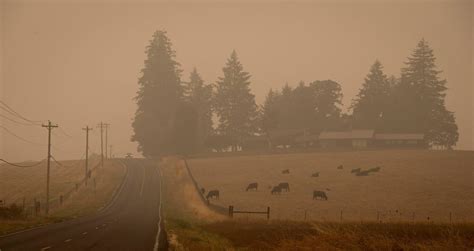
199, 96
371, 103
234, 103
158, 98
270, 112
423, 90
328, 96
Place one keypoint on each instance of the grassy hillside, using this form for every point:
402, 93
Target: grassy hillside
427, 186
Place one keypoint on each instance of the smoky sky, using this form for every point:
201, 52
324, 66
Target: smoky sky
76, 63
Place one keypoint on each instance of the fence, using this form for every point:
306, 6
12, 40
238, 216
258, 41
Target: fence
215, 208
35, 206
232, 212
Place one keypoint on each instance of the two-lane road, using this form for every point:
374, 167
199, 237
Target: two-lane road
130, 222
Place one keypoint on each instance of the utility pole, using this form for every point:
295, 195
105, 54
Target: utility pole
50, 127
101, 126
106, 139
87, 129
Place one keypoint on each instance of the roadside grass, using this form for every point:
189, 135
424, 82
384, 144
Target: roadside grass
85, 200
185, 214
291, 235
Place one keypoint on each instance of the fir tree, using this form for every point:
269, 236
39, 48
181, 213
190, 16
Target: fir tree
199, 96
371, 103
157, 99
423, 92
234, 103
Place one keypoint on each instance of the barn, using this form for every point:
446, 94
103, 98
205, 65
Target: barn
360, 139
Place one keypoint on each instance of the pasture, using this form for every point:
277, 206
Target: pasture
412, 185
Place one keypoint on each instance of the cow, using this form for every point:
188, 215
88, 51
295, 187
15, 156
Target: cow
319, 194
276, 190
340, 167
315, 174
355, 170
252, 186
285, 186
375, 169
363, 173
286, 171
213, 194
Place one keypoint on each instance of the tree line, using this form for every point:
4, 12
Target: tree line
177, 116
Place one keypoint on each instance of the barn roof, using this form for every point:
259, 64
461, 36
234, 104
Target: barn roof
399, 136
353, 134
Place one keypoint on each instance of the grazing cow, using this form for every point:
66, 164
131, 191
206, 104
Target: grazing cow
375, 169
285, 186
213, 194
319, 194
363, 173
355, 170
276, 190
252, 186
203, 191
340, 167
315, 174
286, 171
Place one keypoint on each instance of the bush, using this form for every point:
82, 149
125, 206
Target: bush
11, 212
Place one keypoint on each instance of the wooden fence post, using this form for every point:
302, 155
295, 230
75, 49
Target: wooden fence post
268, 213
231, 211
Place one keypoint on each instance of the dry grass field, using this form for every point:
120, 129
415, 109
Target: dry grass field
426, 186
29, 183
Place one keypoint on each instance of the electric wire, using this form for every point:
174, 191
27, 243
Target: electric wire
12, 164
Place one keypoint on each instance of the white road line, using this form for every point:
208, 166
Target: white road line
68, 240
157, 240
143, 181
84, 233
45, 248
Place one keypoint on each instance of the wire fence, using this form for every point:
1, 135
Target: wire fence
216, 208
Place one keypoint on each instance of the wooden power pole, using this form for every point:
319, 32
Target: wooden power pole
49, 126
87, 129
101, 126
106, 140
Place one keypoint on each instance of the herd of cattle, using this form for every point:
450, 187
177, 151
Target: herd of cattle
285, 186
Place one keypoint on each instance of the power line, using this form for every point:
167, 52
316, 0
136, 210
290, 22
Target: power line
64, 132
13, 112
12, 164
16, 122
20, 138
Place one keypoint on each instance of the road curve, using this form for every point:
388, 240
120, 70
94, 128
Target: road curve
130, 222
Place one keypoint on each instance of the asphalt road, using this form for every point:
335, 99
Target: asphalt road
130, 222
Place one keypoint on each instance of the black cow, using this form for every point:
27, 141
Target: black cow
315, 174
355, 170
375, 169
213, 194
319, 194
340, 167
252, 186
276, 190
286, 171
363, 173
284, 186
